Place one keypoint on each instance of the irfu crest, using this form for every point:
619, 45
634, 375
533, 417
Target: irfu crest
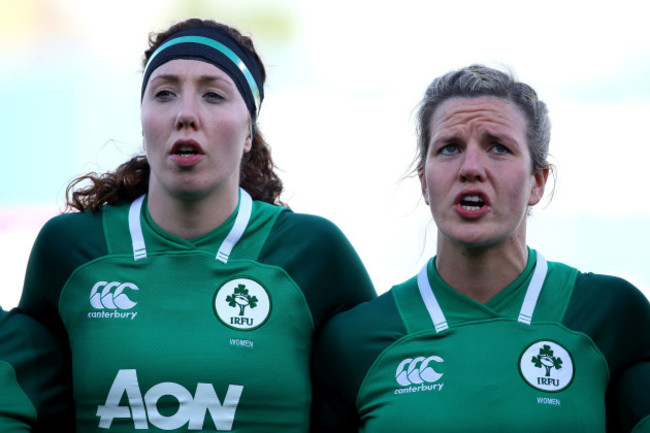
242, 304
547, 360
546, 365
240, 298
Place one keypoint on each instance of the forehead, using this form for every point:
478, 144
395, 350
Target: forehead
490, 111
189, 68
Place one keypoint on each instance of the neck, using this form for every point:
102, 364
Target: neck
191, 218
481, 272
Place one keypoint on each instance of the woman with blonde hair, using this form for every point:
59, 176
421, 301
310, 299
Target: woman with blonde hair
489, 336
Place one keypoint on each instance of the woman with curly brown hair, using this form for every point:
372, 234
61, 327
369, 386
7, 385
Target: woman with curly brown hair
185, 294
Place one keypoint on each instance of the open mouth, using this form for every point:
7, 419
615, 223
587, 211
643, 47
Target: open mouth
472, 202
186, 151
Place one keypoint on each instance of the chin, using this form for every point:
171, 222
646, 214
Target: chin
190, 194
475, 239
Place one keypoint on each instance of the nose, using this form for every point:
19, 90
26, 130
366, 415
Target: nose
472, 167
187, 116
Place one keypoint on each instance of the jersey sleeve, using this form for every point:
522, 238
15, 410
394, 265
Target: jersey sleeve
322, 262
31, 367
17, 413
63, 244
343, 354
630, 398
616, 315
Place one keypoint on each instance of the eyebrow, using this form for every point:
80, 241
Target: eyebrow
437, 139
454, 138
173, 78
504, 137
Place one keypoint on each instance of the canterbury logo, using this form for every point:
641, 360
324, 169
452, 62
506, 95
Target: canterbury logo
417, 371
111, 295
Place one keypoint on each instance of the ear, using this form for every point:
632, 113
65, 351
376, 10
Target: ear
540, 177
423, 184
248, 144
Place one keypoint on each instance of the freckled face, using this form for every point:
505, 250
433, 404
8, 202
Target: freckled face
196, 129
477, 178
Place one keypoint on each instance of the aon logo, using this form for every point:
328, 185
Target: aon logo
191, 409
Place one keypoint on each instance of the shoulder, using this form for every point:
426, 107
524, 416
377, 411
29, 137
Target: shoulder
377, 321
321, 261
343, 354
615, 295
311, 236
353, 339
316, 239
64, 243
71, 220
607, 285
615, 314
312, 226
71, 228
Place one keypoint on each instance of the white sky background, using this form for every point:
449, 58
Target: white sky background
344, 78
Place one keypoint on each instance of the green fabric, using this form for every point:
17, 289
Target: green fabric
39, 366
478, 358
643, 426
17, 413
145, 335
173, 325
377, 367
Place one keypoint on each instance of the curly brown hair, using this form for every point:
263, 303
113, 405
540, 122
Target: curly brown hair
131, 179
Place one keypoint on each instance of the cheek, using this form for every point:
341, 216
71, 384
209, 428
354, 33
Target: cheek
150, 130
232, 130
150, 140
229, 128
434, 192
519, 191
434, 181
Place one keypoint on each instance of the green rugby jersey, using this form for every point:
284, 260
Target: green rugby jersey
557, 350
30, 366
212, 334
17, 413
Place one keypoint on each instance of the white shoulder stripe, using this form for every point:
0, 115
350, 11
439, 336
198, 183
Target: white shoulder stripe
430, 301
534, 289
238, 228
241, 222
135, 227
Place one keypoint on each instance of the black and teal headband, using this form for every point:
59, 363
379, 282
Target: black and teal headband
213, 45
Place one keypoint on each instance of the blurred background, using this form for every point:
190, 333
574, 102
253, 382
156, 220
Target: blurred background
344, 80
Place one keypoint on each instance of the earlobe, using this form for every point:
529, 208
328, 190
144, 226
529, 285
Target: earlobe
537, 192
248, 144
423, 184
